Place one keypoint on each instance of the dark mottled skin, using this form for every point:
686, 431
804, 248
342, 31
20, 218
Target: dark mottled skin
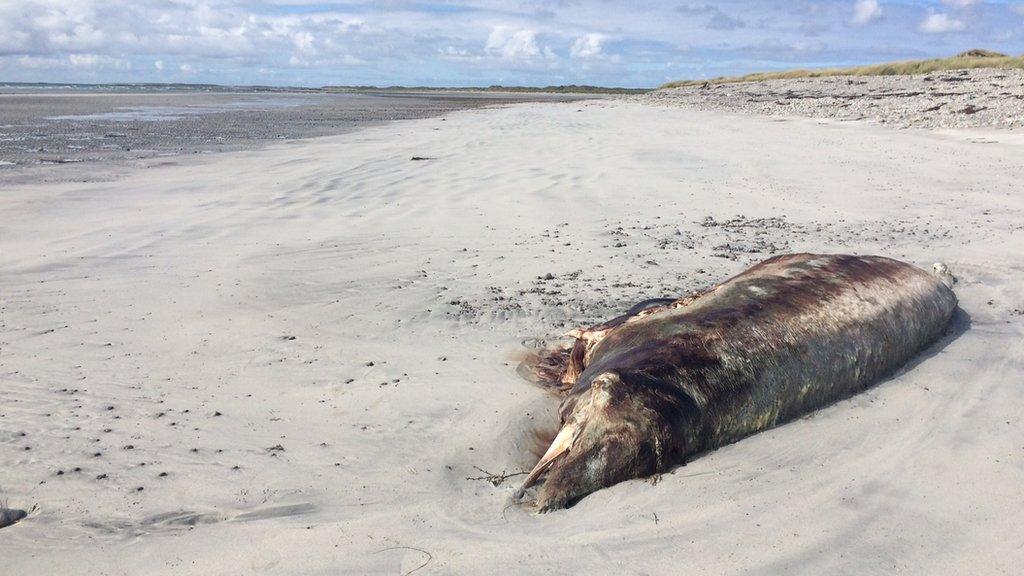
581, 350
9, 516
790, 335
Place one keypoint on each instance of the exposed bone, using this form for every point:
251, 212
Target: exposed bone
561, 444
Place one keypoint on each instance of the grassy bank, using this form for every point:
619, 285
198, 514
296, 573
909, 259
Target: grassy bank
969, 59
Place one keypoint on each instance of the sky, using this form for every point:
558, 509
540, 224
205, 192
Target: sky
479, 42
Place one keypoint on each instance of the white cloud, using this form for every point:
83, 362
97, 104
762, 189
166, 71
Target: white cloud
454, 52
97, 61
303, 41
333, 61
1018, 8
186, 68
83, 60
512, 44
940, 24
587, 46
39, 62
961, 3
866, 11
159, 65
11, 39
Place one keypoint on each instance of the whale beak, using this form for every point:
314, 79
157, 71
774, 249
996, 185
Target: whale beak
561, 444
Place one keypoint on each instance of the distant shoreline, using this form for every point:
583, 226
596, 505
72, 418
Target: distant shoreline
168, 88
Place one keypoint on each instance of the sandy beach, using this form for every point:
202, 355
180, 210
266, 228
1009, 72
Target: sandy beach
301, 359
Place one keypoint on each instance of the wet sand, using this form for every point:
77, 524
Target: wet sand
58, 134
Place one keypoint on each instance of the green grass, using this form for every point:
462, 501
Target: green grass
970, 59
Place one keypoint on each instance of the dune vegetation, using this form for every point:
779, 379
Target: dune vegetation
970, 59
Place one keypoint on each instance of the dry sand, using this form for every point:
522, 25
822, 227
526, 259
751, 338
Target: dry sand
297, 360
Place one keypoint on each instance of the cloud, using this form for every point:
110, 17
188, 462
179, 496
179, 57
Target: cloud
159, 65
722, 21
866, 11
40, 62
453, 52
586, 46
941, 23
783, 50
719, 20
97, 61
961, 3
303, 41
511, 44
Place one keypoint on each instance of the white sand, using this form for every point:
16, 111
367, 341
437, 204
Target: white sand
146, 305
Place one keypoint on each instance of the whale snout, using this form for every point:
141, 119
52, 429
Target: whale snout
589, 468
613, 433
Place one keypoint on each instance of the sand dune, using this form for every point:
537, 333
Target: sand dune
301, 360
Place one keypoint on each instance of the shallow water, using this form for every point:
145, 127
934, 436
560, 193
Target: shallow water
169, 113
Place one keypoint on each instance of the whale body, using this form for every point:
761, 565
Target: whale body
673, 378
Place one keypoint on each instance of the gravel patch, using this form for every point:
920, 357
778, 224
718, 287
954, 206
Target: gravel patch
981, 98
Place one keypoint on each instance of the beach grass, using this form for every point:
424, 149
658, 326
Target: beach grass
971, 59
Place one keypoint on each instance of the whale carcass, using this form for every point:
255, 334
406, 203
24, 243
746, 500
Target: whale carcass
673, 378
